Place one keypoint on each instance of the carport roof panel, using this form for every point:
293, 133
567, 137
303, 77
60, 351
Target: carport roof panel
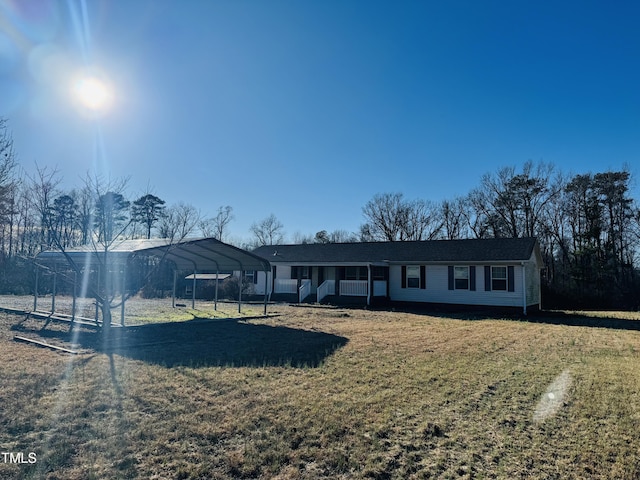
208, 254
203, 254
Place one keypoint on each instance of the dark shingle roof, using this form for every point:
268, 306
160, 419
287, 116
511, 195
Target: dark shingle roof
475, 250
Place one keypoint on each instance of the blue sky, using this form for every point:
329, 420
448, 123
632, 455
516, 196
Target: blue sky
306, 109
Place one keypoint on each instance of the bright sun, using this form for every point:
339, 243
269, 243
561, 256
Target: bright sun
93, 94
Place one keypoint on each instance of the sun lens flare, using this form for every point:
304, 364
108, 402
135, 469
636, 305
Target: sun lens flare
93, 94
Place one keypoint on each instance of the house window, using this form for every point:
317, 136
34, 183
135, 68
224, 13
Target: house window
378, 273
250, 276
300, 272
461, 278
498, 278
413, 276
356, 273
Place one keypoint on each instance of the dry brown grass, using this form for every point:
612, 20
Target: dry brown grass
326, 393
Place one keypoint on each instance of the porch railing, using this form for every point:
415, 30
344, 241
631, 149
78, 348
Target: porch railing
304, 291
328, 287
354, 288
286, 285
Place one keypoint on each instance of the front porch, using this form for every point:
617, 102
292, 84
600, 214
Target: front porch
325, 282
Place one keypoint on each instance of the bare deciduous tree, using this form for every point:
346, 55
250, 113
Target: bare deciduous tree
216, 227
510, 204
43, 189
389, 217
179, 222
383, 214
8, 186
453, 215
268, 231
301, 238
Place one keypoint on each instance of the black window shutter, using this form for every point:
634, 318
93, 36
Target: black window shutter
404, 277
451, 277
472, 278
255, 276
294, 272
487, 278
273, 279
423, 277
510, 279
310, 273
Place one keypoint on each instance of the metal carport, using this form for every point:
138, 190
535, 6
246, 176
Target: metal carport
209, 255
198, 255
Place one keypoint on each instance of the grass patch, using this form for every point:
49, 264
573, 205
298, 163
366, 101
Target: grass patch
167, 313
382, 395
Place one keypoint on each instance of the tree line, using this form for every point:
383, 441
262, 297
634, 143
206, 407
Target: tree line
588, 227
588, 224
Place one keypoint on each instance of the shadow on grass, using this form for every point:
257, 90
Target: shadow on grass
578, 320
203, 343
574, 319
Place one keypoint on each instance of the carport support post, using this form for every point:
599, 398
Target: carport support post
193, 291
75, 294
240, 292
124, 293
369, 284
98, 289
35, 290
175, 281
266, 283
524, 289
215, 302
53, 291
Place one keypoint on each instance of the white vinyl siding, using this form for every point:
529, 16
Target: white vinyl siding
533, 282
437, 279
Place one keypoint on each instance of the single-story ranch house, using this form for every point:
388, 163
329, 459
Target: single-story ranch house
503, 272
